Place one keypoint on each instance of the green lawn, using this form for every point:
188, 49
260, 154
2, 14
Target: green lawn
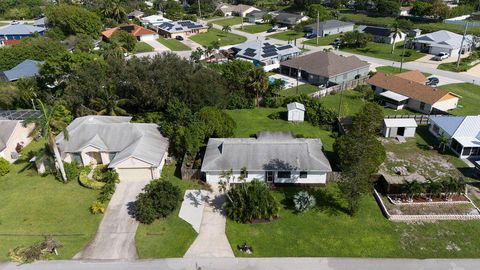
141, 47
396, 70
287, 35
169, 237
469, 103
464, 65
302, 89
33, 206
383, 51
256, 28
173, 44
327, 231
212, 35
322, 41
228, 21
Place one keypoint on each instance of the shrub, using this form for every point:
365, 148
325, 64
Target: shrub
4, 166
71, 170
98, 173
88, 183
161, 196
97, 207
251, 201
37, 251
303, 201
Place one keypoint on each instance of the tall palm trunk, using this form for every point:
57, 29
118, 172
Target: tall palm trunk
58, 158
393, 45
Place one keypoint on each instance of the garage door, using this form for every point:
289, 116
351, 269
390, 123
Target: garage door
135, 174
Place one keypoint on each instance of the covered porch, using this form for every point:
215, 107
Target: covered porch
392, 100
466, 147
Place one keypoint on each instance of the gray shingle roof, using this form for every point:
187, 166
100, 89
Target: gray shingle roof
115, 134
262, 50
27, 68
7, 127
444, 39
180, 26
20, 29
269, 151
288, 18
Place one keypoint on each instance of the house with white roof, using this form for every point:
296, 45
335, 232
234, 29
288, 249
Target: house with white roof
17, 31
273, 157
235, 10
404, 127
264, 54
153, 20
296, 112
137, 151
463, 133
442, 41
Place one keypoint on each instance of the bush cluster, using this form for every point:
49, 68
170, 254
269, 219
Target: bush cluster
303, 201
158, 200
107, 179
4, 166
72, 170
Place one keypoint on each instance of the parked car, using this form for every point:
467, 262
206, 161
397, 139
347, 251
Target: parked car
310, 35
179, 38
441, 56
271, 30
433, 81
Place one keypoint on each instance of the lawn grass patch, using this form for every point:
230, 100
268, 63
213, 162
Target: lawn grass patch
256, 28
141, 47
228, 21
464, 65
470, 98
302, 89
225, 38
383, 51
36, 205
173, 44
287, 35
322, 41
171, 236
396, 70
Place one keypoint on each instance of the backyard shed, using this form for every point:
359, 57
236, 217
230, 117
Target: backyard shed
296, 112
393, 127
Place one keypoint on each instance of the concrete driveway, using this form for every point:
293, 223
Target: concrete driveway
115, 237
157, 46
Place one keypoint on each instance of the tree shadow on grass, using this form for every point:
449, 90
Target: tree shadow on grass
328, 201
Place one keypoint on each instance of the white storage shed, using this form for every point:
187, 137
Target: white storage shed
393, 127
296, 112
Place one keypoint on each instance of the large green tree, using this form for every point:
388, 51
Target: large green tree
73, 20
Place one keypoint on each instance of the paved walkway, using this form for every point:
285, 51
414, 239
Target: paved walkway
256, 264
115, 237
212, 242
474, 71
192, 207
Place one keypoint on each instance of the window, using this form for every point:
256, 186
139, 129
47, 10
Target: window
303, 174
284, 174
422, 106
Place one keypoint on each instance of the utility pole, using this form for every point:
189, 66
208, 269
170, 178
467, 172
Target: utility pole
199, 10
298, 77
461, 44
403, 54
318, 25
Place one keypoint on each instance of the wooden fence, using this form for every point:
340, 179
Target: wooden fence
339, 87
421, 119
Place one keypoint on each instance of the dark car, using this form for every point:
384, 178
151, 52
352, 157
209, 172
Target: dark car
310, 35
433, 81
179, 38
271, 30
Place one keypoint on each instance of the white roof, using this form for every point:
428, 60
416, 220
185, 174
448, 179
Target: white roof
464, 129
295, 106
444, 39
394, 96
400, 122
154, 20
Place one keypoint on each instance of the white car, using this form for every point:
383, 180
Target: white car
441, 56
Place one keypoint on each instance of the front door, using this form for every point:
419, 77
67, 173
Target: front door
401, 131
269, 176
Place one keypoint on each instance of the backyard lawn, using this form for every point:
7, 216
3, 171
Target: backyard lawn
228, 21
287, 35
141, 47
170, 237
470, 98
302, 89
322, 41
255, 28
173, 44
223, 37
396, 70
33, 206
383, 51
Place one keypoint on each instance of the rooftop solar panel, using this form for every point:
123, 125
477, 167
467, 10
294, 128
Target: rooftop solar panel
269, 54
18, 115
250, 54
284, 47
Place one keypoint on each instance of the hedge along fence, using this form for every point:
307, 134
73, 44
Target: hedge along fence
423, 217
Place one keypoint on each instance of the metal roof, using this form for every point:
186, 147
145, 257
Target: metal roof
295, 106
394, 96
27, 68
20, 29
465, 129
400, 122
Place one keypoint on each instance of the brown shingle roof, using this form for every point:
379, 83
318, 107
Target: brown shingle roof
325, 64
408, 88
131, 28
413, 75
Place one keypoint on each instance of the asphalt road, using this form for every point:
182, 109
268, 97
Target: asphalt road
255, 264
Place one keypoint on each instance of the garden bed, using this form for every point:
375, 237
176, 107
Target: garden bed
401, 199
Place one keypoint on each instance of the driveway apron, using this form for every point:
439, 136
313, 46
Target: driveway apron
115, 237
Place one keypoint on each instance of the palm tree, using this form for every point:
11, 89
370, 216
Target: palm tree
453, 186
267, 18
443, 141
113, 9
196, 55
108, 102
258, 82
227, 28
396, 32
434, 188
52, 121
208, 51
412, 189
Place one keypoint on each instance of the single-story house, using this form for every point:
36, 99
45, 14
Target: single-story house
136, 14
141, 33
181, 28
393, 127
26, 69
414, 32
137, 151
407, 91
9, 42
40, 22
153, 20
255, 16
463, 133
17, 31
289, 19
325, 68
13, 137
442, 41
329, 27
405, 11
381, 34
264, 54
296, 112
273, 157
236, 10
